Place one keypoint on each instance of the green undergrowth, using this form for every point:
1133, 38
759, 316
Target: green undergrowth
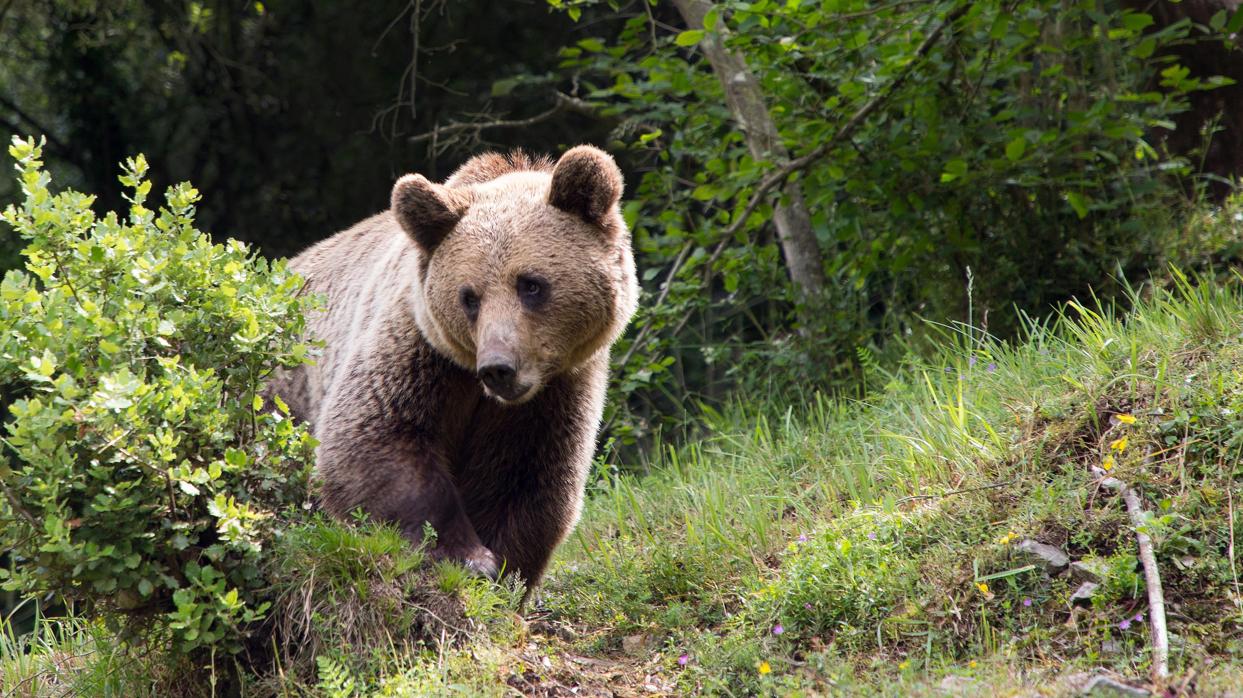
857, 547
862, 543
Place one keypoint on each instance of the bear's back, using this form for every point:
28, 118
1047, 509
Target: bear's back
359, 274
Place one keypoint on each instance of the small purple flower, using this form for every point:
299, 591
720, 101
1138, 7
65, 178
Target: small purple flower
683, 659
1139, 617
872, 535
971, 361
807, 606
777, 629
1027, 603
990, 367
1124, 624
802, 539
948, 369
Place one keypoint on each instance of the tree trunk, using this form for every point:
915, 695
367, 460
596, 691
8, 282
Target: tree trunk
746, 103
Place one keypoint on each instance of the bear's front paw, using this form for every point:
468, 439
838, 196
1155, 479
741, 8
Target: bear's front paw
483, 562
478, 559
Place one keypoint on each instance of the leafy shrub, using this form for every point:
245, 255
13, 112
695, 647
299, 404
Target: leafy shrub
142, 474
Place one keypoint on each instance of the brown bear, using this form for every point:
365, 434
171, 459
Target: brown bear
466, 336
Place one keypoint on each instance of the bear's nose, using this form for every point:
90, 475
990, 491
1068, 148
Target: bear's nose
499, 377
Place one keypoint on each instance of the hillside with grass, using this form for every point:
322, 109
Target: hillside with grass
959, 530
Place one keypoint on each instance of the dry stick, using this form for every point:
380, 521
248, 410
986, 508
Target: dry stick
1152, 579
1234, 573
981, 488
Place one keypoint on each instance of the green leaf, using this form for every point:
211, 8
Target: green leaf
1078, 202
711, 18
1136, 21
1236, 22
501, 88
1145, 48
690, 37
954, 169
1016, 148
1218, 21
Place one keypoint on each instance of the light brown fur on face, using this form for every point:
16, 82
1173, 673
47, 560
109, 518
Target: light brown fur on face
466, 336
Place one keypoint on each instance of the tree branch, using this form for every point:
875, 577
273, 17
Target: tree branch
52, 139
748, 105
785, 171
563, 102
664, 293
782, 173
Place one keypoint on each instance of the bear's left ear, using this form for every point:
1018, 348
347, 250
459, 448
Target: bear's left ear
428, 211
586, 182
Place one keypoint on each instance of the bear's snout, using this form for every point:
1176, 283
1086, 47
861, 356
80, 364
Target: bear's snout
499, 374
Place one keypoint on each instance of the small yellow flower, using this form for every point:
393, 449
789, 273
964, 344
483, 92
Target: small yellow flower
971, 664
904, 666
1007, 539
982, 587
1118, 445
765, 668
1108, 463
1126, 418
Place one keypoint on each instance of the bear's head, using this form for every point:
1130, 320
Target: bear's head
525, 268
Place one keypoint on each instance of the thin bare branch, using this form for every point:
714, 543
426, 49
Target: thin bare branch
25, 116
563, 102
664, 293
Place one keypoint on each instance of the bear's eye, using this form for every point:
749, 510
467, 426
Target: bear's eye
532, 291
470, 302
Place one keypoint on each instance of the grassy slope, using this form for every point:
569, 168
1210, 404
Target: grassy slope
864, 531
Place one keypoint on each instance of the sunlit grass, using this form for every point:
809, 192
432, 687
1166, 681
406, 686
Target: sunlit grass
759, 525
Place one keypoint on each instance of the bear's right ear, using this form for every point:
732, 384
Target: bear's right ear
427, 211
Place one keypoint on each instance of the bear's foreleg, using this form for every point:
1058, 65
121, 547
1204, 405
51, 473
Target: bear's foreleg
402, 482
522, 473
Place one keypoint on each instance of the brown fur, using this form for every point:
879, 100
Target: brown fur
407, 432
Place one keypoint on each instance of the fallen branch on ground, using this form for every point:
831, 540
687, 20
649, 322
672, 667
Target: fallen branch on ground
1152, 579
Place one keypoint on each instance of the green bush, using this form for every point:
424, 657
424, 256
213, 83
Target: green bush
142, 473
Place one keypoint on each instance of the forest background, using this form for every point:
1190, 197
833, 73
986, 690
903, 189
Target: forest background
868, 168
